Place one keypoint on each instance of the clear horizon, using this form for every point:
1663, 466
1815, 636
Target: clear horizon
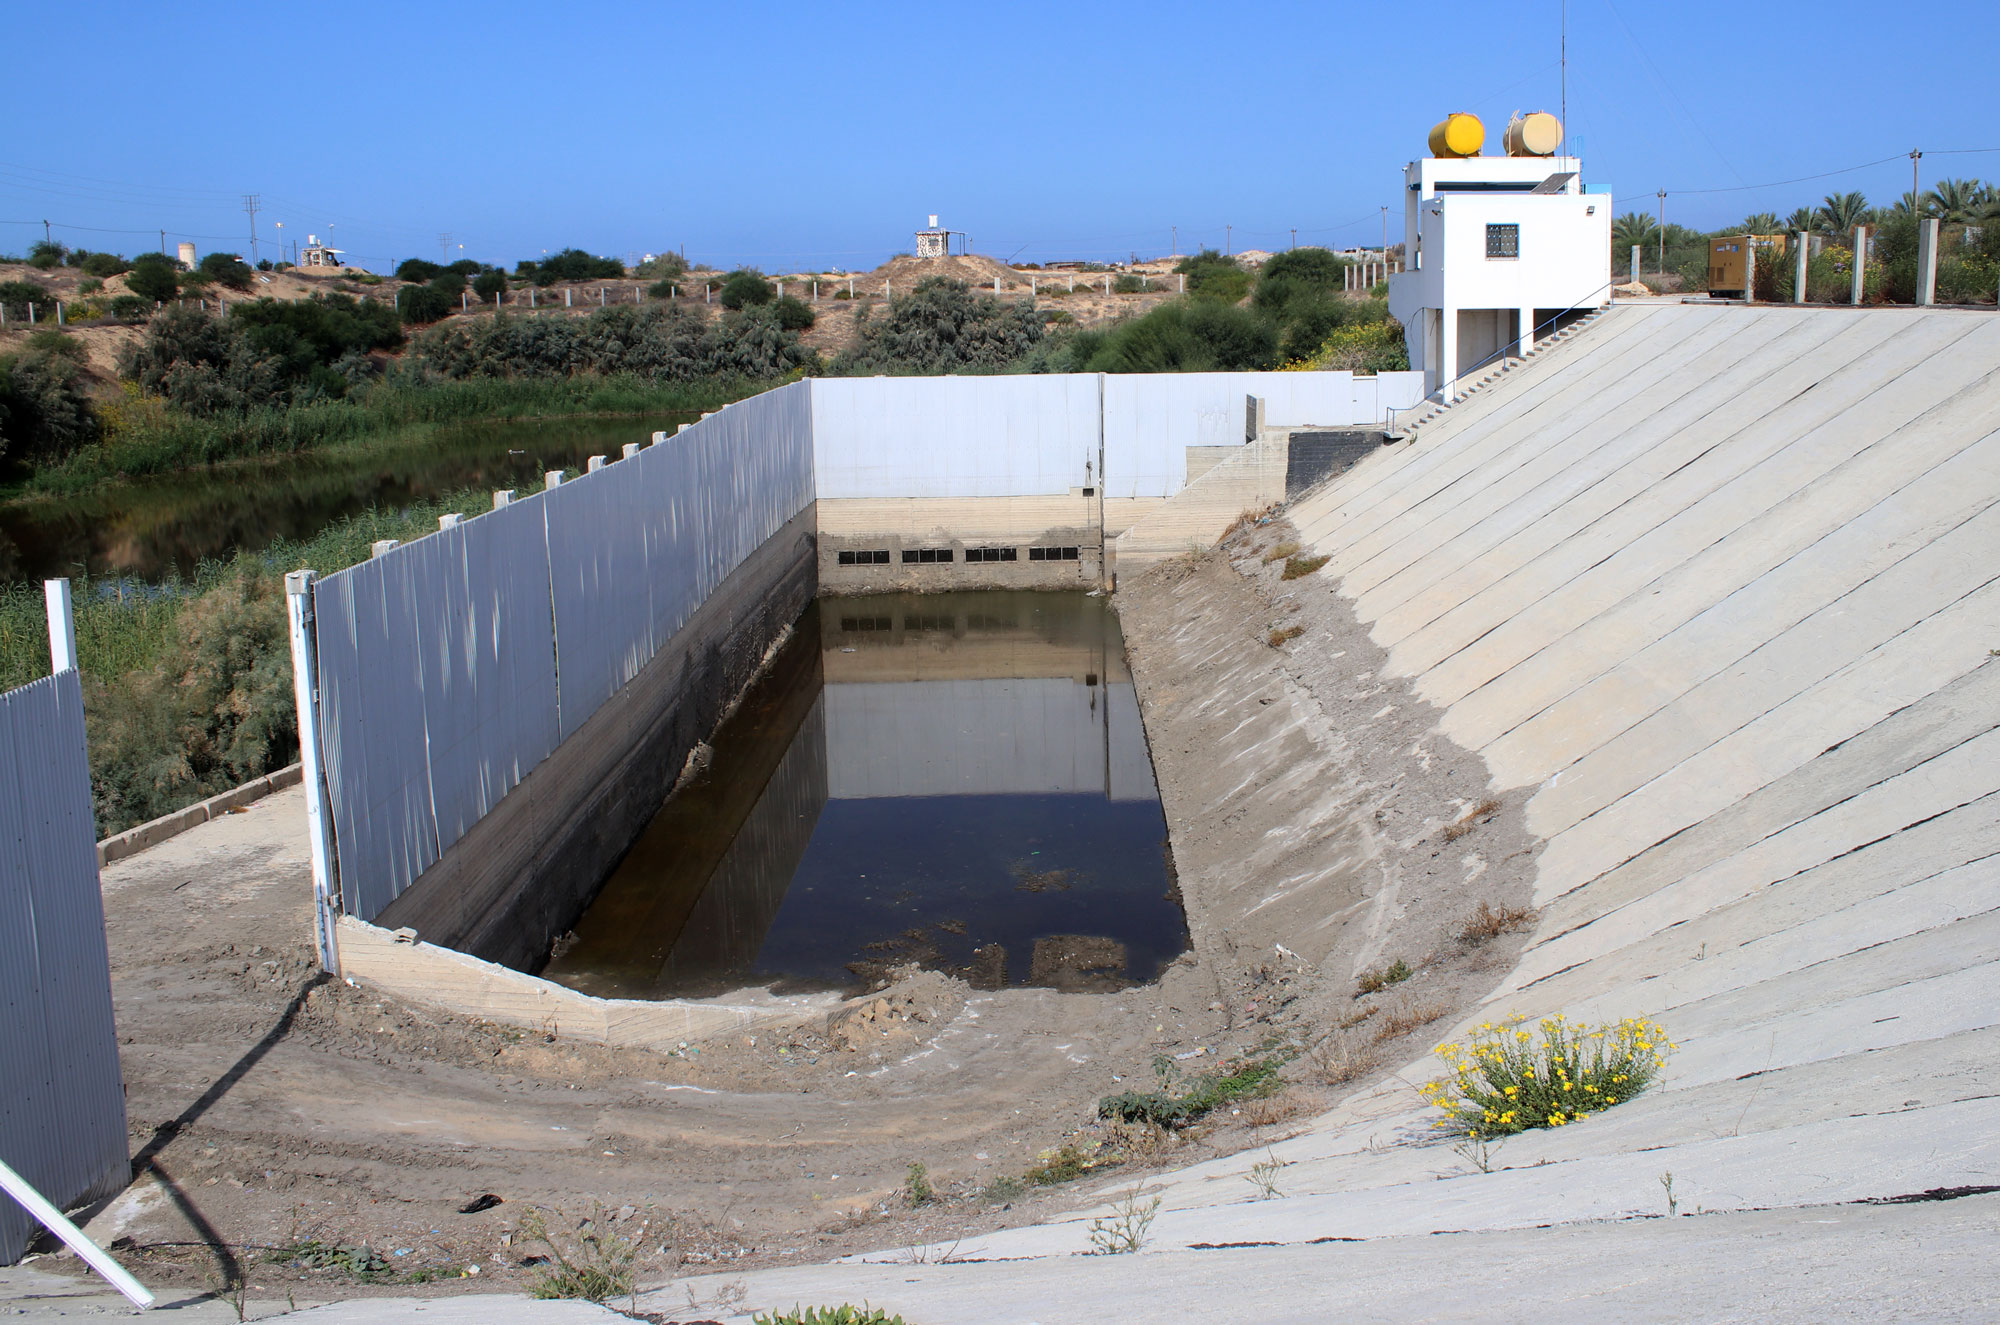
812, 137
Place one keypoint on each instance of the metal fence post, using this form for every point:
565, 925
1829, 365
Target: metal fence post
1927, 262
319, 836
62, 626
1799, 270
1860, 272
502, 497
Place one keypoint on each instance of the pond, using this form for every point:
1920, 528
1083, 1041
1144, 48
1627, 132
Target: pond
148, 529
959, 781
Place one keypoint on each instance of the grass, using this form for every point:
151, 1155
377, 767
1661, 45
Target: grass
593, 1261
144, 437
1381, 977
1297, 568
1280, 552
1067, 1163
844, 1314
1176, 1102
1406, 1018
1504, 1079
1124, 1229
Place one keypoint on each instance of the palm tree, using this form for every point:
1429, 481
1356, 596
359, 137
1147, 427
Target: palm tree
1841, 212
1907, 204
1760, 223
1954, 200
1632, 228
1802, 219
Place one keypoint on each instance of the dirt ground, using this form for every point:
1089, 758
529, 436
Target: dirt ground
291, 1130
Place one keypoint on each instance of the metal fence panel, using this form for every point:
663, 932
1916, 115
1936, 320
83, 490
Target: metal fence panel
954, 436
62, 1101
489, 663
371, 681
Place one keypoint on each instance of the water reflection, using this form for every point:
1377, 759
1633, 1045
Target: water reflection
149, 528
957, 780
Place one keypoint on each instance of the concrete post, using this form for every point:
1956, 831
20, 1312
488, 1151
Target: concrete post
502, 497
885, 289
592, 465
707, 296
552, 480
532, 303
496, 301
996, 285
1447, 351
62, 626
850, 287
1635, 264
815, 291
1524, 321
305, 692
600, 296
1799, 268
569, 300
631, 449
449, 520
1072, 284
59, 314
381, 547
682, 428
1749, 271
659, 437
31, 312
464, 301
1927, 262
1107, 285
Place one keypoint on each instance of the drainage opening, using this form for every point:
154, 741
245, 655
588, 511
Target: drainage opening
970, 792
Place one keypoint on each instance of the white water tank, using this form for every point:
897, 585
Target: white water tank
187, 255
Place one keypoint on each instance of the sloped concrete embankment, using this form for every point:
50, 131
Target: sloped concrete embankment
1714, 590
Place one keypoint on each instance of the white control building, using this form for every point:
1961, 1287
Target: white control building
1499, 250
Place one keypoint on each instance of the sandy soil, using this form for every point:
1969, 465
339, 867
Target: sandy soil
1307, 799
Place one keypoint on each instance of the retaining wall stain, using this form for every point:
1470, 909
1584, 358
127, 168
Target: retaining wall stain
959, 781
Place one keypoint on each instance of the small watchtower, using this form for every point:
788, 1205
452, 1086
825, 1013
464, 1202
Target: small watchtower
933, 242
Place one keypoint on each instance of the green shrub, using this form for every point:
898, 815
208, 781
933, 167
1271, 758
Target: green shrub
100, 265
130, 307
1213, 275
226, 269
422, 304
1129, 284
487, 284
17, 295
45, 409
417, 270
1069, 1162
943, 327
571, 264
203, 364
1297, 568
1366, 347
46, 256
466, 267
154, 279
844, 1314
663, 289
1188, 335
917, 1189
1176, 1102
1297, 275
1381, 977
1505, 1079
794, 314
744, 288
665, 267
89, 285
658, 341
593, 1262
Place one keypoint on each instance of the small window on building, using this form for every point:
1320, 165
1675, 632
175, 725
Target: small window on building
1503, 241
866, 557
990, 554
1051, 554
925, 556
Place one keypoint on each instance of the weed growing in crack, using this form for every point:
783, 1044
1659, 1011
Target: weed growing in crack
1379, 978
593, 1261
1283, 634
1068, 1163
1280, 552
1341, 1058
917, 1189
1506, 1079
1490, 922
1471, 819
1297, 568
1124, 1229
844, 1314
1176, 1101
1002, 1189
1673, 1202
1263, 1175
1478, 1151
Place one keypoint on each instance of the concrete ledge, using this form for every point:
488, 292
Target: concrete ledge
152, 833
455, 982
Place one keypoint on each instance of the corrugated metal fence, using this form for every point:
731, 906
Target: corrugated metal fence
451, 666
62, 1100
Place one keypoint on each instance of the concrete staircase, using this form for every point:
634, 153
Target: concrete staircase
1249, 479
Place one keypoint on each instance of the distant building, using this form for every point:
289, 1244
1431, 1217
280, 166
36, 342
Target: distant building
316, 254
933, 243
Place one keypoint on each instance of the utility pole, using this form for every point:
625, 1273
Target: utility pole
1229, 240
1663, 229
1177, 241
250, 205
45, 234
163, 243
1385, 233
1295, 236
444, 246
1916, 189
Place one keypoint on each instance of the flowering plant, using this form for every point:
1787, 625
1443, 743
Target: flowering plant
1506, 1078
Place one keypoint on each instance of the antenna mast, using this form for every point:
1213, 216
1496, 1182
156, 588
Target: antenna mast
1564, 94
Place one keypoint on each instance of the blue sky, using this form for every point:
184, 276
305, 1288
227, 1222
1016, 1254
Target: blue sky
809, 136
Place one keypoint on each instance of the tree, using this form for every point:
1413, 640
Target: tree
419, 304
1955, 200
202, 363
1839, 213
15, 296
1189, 335
153, 277
943, 327
46, 256
1298, 276
466, 267
489, 283
45, 410
1802, 219
1633, 228
793, 313
227, 269
745, 287
1760, 223
417, 270
571, 264
664, 267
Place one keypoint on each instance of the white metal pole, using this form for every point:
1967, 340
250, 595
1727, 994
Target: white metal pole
1799, 270
1860, 273
1927, 261
95, 1256
305, 689
62, 626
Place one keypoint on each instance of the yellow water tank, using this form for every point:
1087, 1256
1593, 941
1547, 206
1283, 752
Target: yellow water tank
1458, 134
1537, 133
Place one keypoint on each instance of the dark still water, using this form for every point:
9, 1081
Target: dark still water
150, 528
957, 780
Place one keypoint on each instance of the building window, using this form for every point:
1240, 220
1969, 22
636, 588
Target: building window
1503, 241
925, 556
869, 557
850, 625
990, 554
1051, 554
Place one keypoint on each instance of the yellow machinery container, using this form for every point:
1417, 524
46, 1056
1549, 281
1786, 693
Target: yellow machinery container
1730, 262
1537, 133
1458, 134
